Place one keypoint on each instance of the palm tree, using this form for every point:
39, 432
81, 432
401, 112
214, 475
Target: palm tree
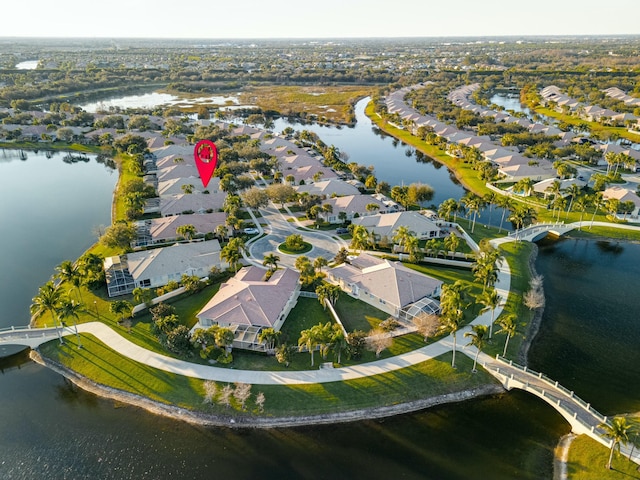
401, 236
451, 243
472, 203
521, 215
269, 336
309, 340
451, 306
70, 272
48, 298
617, 432
490, 301
447, 208
597, 201
509, 327
70, 309
359, 237
413, 247
582, 203
232, 252
523, 185
271, 259
120, 307
573, 191
187, 231
478, 340
319, 263
338, 342
142, 295
489, 199
506, 204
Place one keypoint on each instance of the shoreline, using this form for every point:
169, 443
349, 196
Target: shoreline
241, 421
536, 321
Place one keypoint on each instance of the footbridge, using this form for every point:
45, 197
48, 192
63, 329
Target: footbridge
538, 231
31, 337
583, 418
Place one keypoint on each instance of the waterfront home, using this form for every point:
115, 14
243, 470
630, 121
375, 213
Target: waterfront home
384, 225
163, 230
356, 206
624, 195
157, 267
189, 203
329, 188
386, 285
249, 302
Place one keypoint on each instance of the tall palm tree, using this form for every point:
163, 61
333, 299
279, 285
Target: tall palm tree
473, 203
478, 339
359, 237
48, 298
597, 201
70, 309
70, 272
489, 199
582, 203
490, 301
617, 432
401, 235
338, 342
451, 307
269, 336
509, 327
506, 204
309, 340
573, 191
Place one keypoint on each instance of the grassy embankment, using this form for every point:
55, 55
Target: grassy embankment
326, 103
588, 459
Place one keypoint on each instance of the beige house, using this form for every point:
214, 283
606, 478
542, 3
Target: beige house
388, 286
385, 224
247, 303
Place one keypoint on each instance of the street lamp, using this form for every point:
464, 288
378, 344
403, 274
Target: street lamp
95, 305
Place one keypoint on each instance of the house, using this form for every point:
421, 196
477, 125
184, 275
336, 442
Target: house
385, 224
163, 230
248, 302
388, 286
189, 203
356, 206
328, 188
157, 267
624, 195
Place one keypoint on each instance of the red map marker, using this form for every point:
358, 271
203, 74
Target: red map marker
206, 156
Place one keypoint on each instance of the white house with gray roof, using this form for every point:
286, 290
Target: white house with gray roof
157, 267
385, 224
388, 286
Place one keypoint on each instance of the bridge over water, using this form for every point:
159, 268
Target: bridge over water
583, 418
30, 337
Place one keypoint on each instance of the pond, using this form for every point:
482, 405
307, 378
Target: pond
155, 99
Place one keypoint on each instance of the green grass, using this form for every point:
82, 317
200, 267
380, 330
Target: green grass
105, 367
588, 459
307, 313
306, 247
607, 232
358, 315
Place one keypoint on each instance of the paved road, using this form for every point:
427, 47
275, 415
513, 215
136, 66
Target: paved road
278, 229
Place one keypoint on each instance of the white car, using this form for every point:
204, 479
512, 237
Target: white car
251, 231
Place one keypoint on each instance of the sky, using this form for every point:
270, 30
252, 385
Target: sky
316, 18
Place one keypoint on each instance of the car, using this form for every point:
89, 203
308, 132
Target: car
342, 230
251, 231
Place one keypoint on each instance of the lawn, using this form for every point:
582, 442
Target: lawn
358, 315
104, 366
588, 459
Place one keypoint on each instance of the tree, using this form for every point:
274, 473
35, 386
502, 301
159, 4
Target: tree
617, 432
319, 263
356, 341
378, 340
309, 339
260, 401
186, 231
341, 256
581, 204
119, 235
523, 186
478, 339
271, 260
269, 336
48, 298
401, 236
232, 253
573, 191
225, 395
328, 292
142, 295
120, 307
242, 393
71, 309
415, 252
359, 237
448, 208
426, 324
451, 307
419, 192
521, 216
280, 193
338, 342
534, 298
283, 354
400, 194
490, 300
473, 203
70, 272
508, 327
255, 198
506, 204
451, 243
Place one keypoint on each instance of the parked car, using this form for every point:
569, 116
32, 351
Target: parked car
251, 231
342, 230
